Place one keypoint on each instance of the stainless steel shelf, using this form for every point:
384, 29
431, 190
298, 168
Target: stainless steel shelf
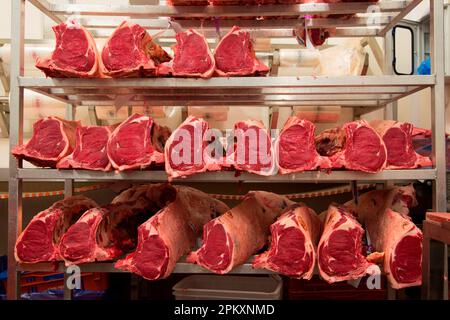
352, 91
229, 176
368, 14
181, 267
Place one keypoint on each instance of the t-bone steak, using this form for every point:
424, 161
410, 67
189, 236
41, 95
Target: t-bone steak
53, 139
339, 253
131, 52
355, 146
294, 239
75, 54
90, 149
232, 238
192, 56
235, 56
171, 233
397, 137
39, 242
137, 143
107, 232
296, 150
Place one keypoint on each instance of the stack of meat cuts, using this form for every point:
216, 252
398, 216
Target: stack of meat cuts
131, 52
53, 139
171, 233
294, 238
233, 237
354, 146
39, 242
75, 54
295, 148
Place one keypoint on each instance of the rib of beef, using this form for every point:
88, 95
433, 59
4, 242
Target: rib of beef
105, 233
137, 143
294, 239
40, 239
235, 56
339, 253
75, 54
131, 52
171, 233
355, 146
90, 149
233, 237
53, 139
296, 149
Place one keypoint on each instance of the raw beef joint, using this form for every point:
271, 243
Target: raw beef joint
397, 137
105, 233
192, 56
294, 239
40, 239
295, 147
75, 54
137, 143
187, 152
232, 238
355, 146
339, 254
235, 56
90, 150
53, 139
171, 233
253, 151
131, 52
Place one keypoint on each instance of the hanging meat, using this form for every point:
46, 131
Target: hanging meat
131, 52
75, 54
235, 55
233, 237
171, 233
39, 242
137, 143
53, 139
294, 239
354, 146
296, 149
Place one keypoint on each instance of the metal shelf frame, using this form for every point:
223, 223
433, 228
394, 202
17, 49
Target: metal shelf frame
362, 92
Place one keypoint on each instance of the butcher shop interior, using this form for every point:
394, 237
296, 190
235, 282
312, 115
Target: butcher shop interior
224, 150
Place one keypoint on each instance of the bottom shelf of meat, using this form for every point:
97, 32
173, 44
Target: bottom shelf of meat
154, 230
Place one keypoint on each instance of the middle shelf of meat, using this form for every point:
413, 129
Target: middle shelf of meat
153, 230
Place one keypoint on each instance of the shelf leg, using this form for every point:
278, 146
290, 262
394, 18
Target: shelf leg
16, 138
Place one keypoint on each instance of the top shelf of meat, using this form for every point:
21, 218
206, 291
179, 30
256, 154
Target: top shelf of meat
374, 17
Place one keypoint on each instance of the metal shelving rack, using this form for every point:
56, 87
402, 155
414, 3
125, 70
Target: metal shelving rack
364, 93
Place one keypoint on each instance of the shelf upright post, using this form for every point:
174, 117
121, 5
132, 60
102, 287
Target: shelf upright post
435, 255
16, 138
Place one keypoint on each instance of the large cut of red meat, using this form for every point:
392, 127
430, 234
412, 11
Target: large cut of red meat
340, 251
137, 143
294, 238
171, 233
131, 52
187, 152
354, 146
75, 54
235, 56
192, 56
40, 239
253, 150
397, 137
395, 238
105, 233
53, 139
295, 147
90, 150
233, 237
